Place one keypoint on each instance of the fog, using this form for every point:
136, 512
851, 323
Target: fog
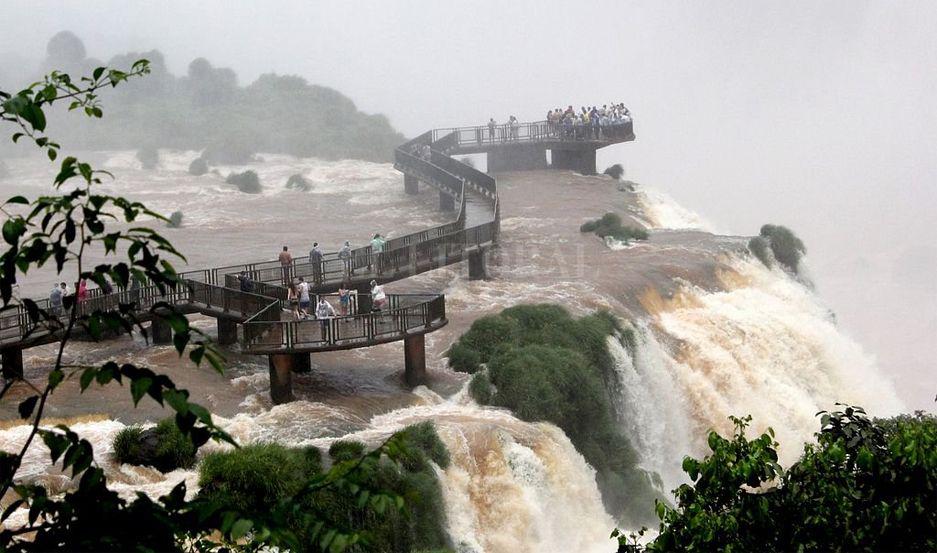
818, 116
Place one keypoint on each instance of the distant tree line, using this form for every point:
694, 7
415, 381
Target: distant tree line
207, 110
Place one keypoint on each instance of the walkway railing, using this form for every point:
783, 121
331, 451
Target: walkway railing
405, 314
537, 131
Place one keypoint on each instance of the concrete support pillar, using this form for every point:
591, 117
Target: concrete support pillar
582, 161
227, 332
414, 354
411, 185
12, 363
446, 202
364, 299
281, 376
160, 332
517, 157
478, 265
587, 162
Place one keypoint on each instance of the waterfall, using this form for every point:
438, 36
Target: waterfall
764, 346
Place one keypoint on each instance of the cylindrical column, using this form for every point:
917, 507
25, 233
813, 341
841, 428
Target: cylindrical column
477, 264
227, 332
364, 299
414, 355
281, 377
12, 363
160, 332
446, 202
411, 185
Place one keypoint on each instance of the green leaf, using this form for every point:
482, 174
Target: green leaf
17, 200
55, 378
26, 406
139, 388
241, 528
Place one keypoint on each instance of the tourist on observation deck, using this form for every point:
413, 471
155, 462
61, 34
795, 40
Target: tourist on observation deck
55, 299
513, 124
286, 259
492, 124
82, 293
324, 312
345, 255
344, 298
292, 298
315, 259
377, 249
378, 297
302, 290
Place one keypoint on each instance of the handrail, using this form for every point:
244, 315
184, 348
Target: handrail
421, 313
217, 289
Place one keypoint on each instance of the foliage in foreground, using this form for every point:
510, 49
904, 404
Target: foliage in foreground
61, 229
865, 485
544, 365
610, 225
271, 480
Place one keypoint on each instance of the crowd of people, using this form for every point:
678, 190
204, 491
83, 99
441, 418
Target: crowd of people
596, 123
299, 291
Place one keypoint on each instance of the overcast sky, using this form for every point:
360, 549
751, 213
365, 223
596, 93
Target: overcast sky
817, 115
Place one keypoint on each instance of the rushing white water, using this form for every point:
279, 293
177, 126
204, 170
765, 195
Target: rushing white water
512, 486
756, 342
661, 211
766, 346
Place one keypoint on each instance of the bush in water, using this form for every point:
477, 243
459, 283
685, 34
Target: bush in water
760, 248
786, 246
298, 182
148, 157
198, 167
463, 358
615, 171
247, 182
163, 447
863, 486
255, 478
343, 450
546, 366
610, 225
175, 220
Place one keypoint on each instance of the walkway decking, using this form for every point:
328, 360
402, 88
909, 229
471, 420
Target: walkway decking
267, 330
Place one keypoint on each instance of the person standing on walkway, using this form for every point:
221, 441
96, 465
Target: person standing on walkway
377, 249
378, 297
286, 260
55, 299
292, 298
315, 259
324, 312
344, 298
345, 255
82, 293
492, 124
302, 290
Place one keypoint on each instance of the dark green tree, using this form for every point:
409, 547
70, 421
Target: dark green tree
863, 486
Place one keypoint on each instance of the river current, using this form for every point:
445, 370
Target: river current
718, 334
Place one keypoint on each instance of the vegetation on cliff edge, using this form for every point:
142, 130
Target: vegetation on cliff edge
544, 365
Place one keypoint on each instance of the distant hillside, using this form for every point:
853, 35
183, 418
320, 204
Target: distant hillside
207, 109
